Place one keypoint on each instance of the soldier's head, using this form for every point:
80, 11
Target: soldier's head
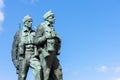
27, 20
49, 16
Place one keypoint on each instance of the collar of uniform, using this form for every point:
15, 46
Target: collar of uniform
26, 29
48, 24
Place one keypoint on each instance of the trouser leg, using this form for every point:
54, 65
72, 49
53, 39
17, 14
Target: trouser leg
57, 69
24, 66
47, 64
36, 68
58, 73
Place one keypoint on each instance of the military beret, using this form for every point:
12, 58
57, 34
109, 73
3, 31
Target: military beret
47, 14
27, 17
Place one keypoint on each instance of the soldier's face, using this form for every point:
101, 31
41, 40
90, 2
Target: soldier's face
28, 23
51, 19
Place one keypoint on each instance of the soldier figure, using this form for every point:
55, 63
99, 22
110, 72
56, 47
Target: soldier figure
24, 54
48, 45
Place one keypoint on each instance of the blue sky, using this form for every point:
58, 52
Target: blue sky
89, 29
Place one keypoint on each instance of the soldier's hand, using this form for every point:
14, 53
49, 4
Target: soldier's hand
35, 41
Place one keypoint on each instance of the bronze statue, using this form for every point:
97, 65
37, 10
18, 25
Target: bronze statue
48, 45
24, 54
37, 49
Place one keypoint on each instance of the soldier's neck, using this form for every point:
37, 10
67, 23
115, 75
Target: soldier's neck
26, 29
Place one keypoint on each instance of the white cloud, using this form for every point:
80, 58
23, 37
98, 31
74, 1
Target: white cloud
103, 68
1, 4
1, 14
1, 17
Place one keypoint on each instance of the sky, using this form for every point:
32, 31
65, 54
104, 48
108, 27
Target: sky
89, 29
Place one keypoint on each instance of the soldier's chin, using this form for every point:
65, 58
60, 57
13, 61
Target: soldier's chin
52, 22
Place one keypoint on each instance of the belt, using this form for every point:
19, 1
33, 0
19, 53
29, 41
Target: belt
29, 46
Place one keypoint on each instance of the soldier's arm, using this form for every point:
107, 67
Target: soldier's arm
58, 45
40, 36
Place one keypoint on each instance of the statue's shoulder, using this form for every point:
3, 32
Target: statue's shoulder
41, 26
33, 32
18, 33
17, 37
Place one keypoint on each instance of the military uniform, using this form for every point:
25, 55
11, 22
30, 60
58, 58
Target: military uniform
49, 49
28, 56
24, 54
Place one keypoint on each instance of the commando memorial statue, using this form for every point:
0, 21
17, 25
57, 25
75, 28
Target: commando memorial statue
37, 49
